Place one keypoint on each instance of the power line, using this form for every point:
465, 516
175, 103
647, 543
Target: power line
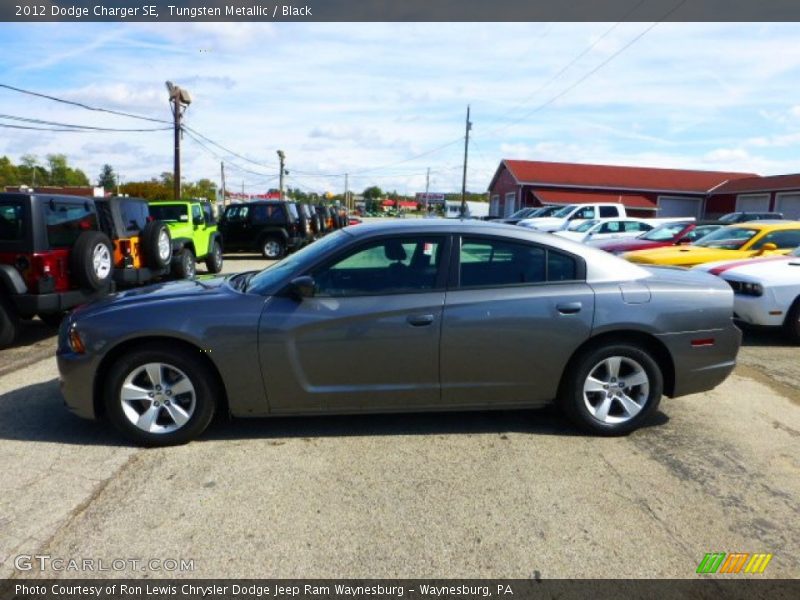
74, 127
80, 104
221, 147
69, 130
216, 155
586, 76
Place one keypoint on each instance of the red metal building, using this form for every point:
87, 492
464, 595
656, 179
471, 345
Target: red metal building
645, 192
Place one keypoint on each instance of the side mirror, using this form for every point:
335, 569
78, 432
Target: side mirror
302, 287
768, 247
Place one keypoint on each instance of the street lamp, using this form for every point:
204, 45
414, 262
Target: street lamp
179, 100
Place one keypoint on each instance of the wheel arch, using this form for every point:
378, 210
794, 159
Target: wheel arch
155, 340
11, 280
642, 339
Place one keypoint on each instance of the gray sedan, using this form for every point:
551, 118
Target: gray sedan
425, 315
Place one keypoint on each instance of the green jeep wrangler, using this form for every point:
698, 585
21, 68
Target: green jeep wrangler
194, 235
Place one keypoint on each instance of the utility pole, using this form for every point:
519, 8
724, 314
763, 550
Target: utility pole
346, 190
427, 186
222, 173
179, 100
464, 176
282, 160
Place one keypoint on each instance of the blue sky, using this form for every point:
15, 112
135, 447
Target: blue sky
365, 98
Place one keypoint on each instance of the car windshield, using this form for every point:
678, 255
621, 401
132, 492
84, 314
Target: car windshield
169, 213
583, 226
729, 218
266, 279
564, 212
795, 252
728, 238
522, 213
547, 211
665, 232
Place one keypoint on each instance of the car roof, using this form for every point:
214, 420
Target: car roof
767, 224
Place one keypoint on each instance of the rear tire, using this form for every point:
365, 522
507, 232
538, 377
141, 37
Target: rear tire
272, 248
182, 403
214, 258
185, 264
9, 323
91, 260
612, 389
156, 245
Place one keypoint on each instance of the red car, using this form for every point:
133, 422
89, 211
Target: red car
673, 233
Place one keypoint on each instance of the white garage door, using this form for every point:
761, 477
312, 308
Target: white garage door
789, 205
752, 203
675, 206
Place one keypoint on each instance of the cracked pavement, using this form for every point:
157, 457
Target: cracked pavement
435, 495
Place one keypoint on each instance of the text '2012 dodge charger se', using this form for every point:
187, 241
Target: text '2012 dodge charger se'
411, 316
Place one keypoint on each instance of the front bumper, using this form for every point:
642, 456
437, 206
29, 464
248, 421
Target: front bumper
76, 376
755, 310
699, 368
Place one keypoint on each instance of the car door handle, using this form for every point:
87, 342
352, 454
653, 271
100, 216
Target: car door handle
420, 320
569, 308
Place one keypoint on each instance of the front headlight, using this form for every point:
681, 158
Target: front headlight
746, 288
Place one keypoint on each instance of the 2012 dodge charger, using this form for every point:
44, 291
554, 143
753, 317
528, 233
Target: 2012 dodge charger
410, 316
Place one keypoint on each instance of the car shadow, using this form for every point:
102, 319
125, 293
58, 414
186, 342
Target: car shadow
764, 336
36, 413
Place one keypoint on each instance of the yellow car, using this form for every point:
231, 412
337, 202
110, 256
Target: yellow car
743, 240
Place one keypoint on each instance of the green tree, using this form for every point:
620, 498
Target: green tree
9, 173
107, 178
373, 193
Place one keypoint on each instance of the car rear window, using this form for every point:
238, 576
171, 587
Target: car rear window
169, 213
12, 226
135, 215
269, 213
67, 220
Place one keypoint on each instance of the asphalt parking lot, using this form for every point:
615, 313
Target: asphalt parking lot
506, 494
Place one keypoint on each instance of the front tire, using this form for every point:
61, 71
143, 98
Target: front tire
792, 324
612, 389
159, 397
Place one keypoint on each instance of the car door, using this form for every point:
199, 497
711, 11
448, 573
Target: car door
514, 314
368, 339
201, 230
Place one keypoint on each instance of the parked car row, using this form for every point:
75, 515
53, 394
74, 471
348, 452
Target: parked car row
59, 251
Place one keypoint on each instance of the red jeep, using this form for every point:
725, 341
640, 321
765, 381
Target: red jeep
53, 257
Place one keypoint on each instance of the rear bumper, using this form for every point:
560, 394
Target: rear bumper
699, 368
31, 304
137, 276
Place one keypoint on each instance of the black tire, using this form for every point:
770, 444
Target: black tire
9, 323
200, 404
185, 264
792, 323
214, 258
53, 319
586, 409
272, 248
89, 274
156, 245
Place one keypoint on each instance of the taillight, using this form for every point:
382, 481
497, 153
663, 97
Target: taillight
125, 247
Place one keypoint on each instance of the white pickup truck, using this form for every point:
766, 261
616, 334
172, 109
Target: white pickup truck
574, 212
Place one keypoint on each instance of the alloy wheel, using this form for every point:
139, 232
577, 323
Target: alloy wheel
272, 249
616, 390
158, 398
164, 250
101, 261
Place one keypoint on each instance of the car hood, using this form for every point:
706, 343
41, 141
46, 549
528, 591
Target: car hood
682, 255
627, 246
767, 268
681, 276
578, 236
172, 290
542, 222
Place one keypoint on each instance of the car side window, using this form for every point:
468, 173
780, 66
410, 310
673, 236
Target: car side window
609, 211
789, 238
197, 214
635, 226
498, 263
585, 213
11, 222
208, 213
388, 266
610, 227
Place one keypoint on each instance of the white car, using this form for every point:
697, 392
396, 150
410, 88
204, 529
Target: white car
605, 229
766, 291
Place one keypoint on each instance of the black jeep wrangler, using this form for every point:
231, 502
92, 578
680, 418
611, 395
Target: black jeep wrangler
53, 256
269, 227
